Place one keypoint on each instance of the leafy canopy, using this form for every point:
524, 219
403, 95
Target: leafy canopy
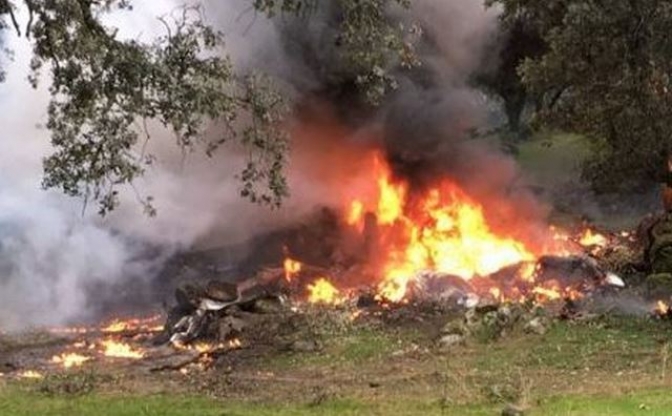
105, 90
605, 73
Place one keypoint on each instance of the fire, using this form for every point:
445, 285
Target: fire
391, 196
528, 272
235, 344
31, 374
116, 349
204, 347
69, 331
445, 231
356, 213
68, 360
117, 326
292, 268
322, 291
662, 308
134, 324
590, 238
496, 293
549, 293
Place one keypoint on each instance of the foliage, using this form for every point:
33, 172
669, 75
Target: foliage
105, 90
605, 74
517, 40
370, 44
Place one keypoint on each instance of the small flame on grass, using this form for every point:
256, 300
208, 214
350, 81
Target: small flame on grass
31, 374
204, 347
355, 314
116, 349
235, 344
71, 330
662, 308
69, 360
145, 324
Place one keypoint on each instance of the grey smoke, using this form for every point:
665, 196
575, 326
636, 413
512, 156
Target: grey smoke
51, 255
57, 265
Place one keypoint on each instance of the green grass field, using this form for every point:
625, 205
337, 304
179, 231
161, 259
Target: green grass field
610, 366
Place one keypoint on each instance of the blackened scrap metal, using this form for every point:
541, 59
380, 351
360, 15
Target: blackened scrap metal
198, 307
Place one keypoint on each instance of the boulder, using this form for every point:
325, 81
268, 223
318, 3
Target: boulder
659, 285
450, 340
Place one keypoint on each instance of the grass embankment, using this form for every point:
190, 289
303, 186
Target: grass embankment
612, 366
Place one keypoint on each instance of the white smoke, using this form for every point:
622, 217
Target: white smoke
51, 254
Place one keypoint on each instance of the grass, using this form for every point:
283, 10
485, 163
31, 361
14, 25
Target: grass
15, 403
611, 366
553, 158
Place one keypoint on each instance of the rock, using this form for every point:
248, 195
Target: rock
367, 300
170, 361
188, 296
268, 305
658, 248
511, 410
569, 269
221, 291
304, 346
430, 285
230, 325
450, 340
455, 328
659, 285
661, 258
536, 326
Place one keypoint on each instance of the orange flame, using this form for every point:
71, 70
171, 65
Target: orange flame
356, 213
31, 374
444, 230
447, 232
662, 308
292, 268
68, 360
117, 349
590, 238
322, 291
551, 294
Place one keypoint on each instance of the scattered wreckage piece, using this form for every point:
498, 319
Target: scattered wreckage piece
198, 307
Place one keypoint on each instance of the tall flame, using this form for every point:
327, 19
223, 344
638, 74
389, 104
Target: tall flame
443, 230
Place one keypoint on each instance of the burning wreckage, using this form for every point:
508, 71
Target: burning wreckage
393, 251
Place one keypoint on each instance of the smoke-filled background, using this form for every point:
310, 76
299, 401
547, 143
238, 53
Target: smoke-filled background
57, 263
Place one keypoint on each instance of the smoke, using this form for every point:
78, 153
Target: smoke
58, 264
426, 127
51, 255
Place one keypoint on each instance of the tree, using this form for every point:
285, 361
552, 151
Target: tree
104, 90
518, 40
606, 75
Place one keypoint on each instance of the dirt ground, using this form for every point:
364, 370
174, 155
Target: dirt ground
318, 355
